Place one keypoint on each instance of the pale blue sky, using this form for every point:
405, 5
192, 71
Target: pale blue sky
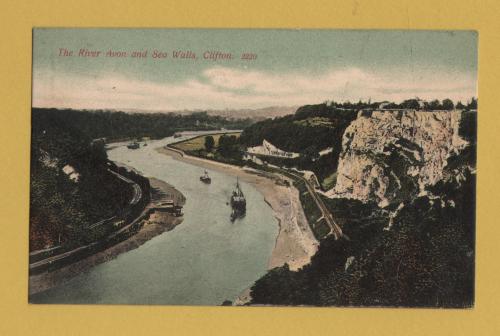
293, 67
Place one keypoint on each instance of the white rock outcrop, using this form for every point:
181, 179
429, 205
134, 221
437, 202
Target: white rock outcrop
424, 140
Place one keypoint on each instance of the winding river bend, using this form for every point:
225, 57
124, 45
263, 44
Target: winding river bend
203, 261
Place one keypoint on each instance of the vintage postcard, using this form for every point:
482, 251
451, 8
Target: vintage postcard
253, 167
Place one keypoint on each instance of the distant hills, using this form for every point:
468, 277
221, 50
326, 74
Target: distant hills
256, 114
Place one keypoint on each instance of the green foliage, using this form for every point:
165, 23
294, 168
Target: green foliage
468, 131
410, 104
120, 125
472, 104
468, 126
448, 104
228, 146
227, 149
62, 209
329, 181
311, 210
433, 105
209, 143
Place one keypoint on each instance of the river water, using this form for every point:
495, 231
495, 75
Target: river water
203, 261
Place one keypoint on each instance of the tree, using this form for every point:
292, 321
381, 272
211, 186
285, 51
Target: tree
433, 105
460, 106
473, 104
228, 145
448, 104
209, 143
391, 106
311, 153
411, 104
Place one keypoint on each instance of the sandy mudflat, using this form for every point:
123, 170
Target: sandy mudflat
156, 224
295, 243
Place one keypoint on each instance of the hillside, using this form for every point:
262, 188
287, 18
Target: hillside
255, 114
310, 130
119, 125
70, 187
406, 201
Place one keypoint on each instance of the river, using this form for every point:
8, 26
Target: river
203, 261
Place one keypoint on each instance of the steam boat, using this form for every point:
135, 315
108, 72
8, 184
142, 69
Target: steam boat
205, 178
133, 145
238, 203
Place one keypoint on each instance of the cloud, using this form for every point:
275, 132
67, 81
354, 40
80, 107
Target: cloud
224, 87
264, 83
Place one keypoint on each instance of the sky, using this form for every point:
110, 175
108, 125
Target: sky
293, 67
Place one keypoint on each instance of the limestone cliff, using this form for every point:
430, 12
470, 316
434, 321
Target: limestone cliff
392, 156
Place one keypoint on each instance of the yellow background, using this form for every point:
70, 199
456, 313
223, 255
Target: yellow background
19, 318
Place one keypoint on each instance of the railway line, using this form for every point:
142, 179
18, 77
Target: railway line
327, 215
137, 191
136, 197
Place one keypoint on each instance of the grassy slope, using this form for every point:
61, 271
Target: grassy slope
198, 143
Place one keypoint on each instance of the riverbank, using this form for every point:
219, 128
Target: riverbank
157, 223
295, 243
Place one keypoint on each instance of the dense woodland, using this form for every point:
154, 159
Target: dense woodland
414, 104
120, 125
62, 209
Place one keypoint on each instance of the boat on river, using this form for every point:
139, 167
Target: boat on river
238, 203
205, 178
133, 145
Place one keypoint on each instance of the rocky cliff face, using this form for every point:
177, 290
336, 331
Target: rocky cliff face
390, 156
